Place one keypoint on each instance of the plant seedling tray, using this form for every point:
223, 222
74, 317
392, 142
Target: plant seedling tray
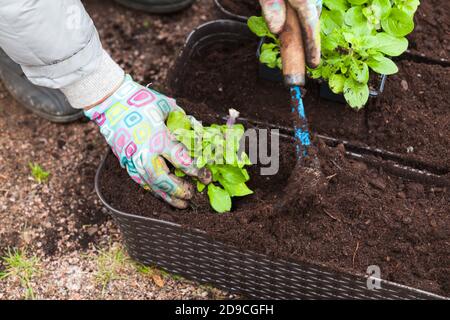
275, 75
229, 14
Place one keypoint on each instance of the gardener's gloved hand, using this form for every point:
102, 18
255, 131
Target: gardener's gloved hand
132, 120
308, 11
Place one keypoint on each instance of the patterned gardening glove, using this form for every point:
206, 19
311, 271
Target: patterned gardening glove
132, 121
308, 11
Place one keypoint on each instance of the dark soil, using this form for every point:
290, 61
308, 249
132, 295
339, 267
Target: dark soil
412, 112
399, 225
431, 37
245, 8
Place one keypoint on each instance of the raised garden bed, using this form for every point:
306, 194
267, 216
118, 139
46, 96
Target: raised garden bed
363, 216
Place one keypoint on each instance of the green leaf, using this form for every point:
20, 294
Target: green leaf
328, 70
219, 198
315, 73
355, 93
200, 186
179, 173
390, 45
331, 20
258, 26
236, 190
201, 161
407, 6
354, 17
244, 160
338, 5
382, 65
245, 173
279, 63
381, 8
398, 23
336, 83
332, 41
269, 57
215, 171
232, 174
359, 71
178, 120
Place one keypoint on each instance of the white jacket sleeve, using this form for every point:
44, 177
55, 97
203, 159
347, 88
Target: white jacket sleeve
57, 45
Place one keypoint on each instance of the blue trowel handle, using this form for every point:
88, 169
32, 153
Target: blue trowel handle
294, 71
300, 122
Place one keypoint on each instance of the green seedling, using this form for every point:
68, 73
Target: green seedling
357, 36
19, 267
38, 173
110, 264
270, 52
215, 147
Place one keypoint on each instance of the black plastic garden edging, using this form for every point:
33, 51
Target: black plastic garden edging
229, 14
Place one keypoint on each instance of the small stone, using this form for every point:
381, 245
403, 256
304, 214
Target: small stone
359, 166
378, 183
433, 223
410, 149
404, 85
92, 230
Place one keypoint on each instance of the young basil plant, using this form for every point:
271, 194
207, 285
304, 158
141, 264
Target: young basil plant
215, 147
270, 52
357, 36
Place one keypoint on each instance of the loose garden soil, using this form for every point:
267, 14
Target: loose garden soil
431, 37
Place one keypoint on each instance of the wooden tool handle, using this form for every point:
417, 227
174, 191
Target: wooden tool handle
292, 50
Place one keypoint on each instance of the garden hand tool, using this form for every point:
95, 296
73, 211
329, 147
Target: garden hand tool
294, 71
306, 182
132, 120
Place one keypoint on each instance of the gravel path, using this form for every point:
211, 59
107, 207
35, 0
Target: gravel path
61, 222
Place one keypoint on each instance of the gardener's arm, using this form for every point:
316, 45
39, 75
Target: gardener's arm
57, 46
308, 12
